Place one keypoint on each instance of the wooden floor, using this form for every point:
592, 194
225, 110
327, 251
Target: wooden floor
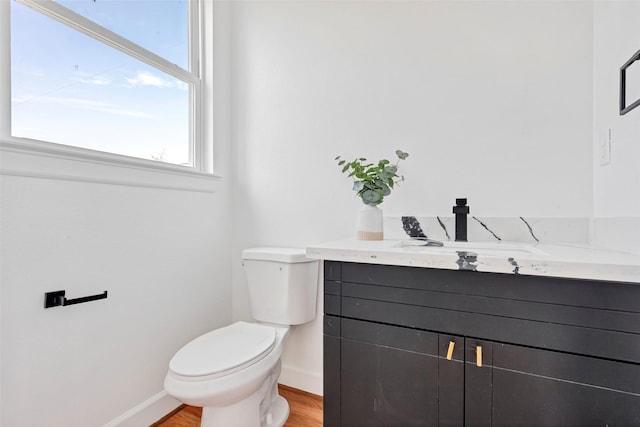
306, 411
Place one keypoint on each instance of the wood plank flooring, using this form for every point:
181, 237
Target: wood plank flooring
306, 411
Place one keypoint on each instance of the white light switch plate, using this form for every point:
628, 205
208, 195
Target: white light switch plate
605, 148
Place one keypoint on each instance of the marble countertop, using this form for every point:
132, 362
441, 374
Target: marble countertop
534, 259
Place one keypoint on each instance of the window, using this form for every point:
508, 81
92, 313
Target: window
115, 76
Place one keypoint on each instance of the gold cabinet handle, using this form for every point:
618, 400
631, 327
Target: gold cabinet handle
450, 350
479, 356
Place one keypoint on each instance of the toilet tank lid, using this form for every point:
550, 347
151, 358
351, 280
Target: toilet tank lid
288, 255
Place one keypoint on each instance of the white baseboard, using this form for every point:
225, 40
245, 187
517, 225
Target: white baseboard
159, 405
147, 412
295, 377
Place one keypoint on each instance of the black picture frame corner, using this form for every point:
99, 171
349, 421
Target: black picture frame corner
624, 107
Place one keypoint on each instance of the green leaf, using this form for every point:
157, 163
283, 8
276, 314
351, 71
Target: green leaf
388, 172
371, 197
401, 154
358, 185
384, 175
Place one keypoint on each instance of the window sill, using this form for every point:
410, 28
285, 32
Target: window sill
35, 159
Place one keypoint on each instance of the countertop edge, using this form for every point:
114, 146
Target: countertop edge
569, 262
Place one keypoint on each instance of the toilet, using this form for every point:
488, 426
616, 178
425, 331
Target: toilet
232, 372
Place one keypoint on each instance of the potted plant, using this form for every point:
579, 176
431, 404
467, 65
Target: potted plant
372, 183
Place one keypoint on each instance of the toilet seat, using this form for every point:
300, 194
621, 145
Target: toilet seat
223, 351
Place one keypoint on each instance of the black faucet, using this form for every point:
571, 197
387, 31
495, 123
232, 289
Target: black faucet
461, 210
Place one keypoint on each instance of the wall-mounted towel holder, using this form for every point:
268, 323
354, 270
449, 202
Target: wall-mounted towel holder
57, 298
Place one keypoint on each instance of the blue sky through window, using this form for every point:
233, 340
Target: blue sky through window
71, 89
160, 26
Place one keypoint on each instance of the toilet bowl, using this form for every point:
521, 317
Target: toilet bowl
232, 372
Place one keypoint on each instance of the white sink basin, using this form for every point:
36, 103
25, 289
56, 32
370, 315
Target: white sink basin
502, 249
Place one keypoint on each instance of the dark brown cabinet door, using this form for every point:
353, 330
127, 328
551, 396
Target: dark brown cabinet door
478, 382
389, 375
451, 380
534, 387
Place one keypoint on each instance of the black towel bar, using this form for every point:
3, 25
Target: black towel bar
56, 298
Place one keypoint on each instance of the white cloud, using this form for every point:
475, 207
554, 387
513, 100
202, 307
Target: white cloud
145, 78
181, 85
96, 80
92, 79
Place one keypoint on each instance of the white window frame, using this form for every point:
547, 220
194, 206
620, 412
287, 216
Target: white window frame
42, 159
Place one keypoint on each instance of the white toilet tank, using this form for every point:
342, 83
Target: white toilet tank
283, 284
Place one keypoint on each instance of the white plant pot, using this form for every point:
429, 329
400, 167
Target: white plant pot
369, 223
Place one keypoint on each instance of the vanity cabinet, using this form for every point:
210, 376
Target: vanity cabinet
407, 346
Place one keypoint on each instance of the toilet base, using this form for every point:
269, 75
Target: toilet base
279, 412
264, 408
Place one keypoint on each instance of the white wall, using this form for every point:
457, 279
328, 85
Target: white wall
615, 188
162, 254
493, 100
155, 252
